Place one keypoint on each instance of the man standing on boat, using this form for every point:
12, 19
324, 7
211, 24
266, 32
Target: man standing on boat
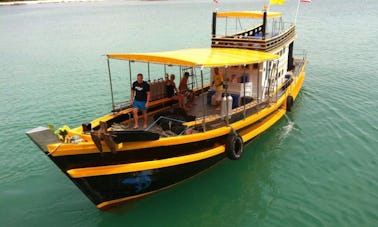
183, 87
139, 98
172, 92
218, 84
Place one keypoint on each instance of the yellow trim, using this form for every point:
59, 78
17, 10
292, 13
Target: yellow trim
109, 203
249, 14
141, 166
206, 57
89, 147
263, 126
299, 81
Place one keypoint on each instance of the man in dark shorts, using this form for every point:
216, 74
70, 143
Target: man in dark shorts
183, 87
139, 98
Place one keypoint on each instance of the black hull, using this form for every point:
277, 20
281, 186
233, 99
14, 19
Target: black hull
132, 136
108, 190
121, 157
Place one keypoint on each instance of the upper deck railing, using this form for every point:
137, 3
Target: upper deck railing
252, 39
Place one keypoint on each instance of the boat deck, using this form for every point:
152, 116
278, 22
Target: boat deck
204, 114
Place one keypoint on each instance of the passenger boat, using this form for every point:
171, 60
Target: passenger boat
111, 163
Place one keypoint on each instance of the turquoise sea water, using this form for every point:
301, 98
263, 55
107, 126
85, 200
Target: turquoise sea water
316, 167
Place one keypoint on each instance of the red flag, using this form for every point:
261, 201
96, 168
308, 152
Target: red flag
305, 0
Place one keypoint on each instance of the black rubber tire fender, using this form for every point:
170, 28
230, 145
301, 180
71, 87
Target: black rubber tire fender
289, 102
234, 146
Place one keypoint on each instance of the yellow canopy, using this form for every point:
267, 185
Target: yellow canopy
206, 57
248, 14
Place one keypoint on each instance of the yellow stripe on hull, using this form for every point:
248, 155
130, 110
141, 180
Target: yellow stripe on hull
107, 204
141, 166
263, 126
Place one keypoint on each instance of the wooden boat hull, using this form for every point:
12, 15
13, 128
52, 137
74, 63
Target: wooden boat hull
111, 189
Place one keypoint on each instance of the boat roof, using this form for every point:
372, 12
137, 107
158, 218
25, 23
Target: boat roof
199, 57
249, 14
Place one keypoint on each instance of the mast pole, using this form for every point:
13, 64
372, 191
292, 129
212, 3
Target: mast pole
296, 14
111, 85
214, 21
214, 24
264, 21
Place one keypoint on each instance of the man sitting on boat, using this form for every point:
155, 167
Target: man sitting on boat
183, 87
172, 92
139, 98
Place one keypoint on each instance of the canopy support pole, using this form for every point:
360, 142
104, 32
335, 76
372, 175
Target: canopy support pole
243, 78
148, 69
180, 72
111, 86
258, 83
203, 103
226, 26
277, 79
226, 86
131, 83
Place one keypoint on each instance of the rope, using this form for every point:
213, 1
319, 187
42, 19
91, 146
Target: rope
233, 131
56, 148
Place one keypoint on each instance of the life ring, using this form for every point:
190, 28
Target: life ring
234, 146
289, 102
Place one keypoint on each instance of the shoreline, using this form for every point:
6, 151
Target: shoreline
15, 3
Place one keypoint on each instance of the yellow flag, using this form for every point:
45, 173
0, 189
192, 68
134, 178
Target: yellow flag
274, 2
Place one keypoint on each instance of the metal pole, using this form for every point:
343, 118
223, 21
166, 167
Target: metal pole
214, 24
148, 68
111, 85
264, 24
258, 82
203, 102
296, 13
244, 109
180, 72
276, 79
227, 109
131, 83
226, 26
